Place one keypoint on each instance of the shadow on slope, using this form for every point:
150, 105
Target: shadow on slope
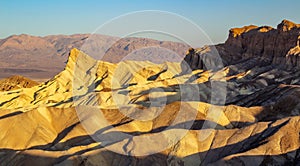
12, 157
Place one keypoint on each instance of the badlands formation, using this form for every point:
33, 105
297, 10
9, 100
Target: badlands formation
244, 112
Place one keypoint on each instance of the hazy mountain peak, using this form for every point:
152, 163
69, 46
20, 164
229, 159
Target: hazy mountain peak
24, 42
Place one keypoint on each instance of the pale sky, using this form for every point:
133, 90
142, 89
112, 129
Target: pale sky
215, 17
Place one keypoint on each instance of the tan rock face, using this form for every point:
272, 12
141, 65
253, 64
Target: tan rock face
287, 25
16, 82
235, 32
266, 44
272, 45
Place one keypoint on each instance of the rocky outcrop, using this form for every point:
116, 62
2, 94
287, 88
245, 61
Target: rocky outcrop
16, 82
271, 45
206, 58
261, 64
265, 44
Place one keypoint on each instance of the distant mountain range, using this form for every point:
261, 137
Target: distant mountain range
41, 58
